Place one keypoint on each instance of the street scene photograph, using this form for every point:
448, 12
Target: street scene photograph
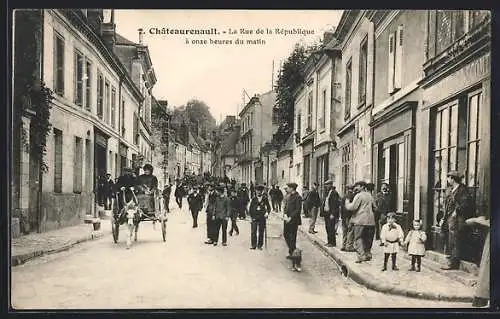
250, 159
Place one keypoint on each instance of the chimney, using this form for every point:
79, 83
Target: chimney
141, 36
95, 17
108, 31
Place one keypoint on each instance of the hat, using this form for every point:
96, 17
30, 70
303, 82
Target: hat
243, 184
259, 187
455, 174
328, 182
127, 169
391, 215
219, 188
148, 167
292, 185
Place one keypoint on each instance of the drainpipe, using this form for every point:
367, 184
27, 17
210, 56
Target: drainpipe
40, 173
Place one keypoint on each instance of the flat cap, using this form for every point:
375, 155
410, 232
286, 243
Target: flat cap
243, 184
455, 174
259, 187
292, 185
328, 182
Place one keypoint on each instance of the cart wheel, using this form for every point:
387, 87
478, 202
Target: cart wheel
164, 230
115, 228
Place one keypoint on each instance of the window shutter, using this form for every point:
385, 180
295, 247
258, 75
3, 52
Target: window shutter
390, 73
398, 69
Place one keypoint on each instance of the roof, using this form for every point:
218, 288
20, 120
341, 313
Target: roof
229, 143
121, 40
288, 147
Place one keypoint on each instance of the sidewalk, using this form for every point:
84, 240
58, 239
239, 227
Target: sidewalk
35, 245
427, 284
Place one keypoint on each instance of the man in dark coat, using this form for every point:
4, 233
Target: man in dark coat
210, 211
259, 210
123, 185
179, 193
305, 195
279, 197
292, 219
234, 206
383, 206
243, 197
252, 190
458, 208
314, 204
195, 202
272, 196
149, 186
166, 196
101, 190
330, 210
109, 186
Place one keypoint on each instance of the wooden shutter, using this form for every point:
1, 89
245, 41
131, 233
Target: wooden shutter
398, 65
390, 73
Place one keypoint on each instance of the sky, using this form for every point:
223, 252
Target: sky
218, 73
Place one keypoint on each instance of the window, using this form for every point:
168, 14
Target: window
58, 57
348, 83
323, 110
363, 69
123, 118
113, 107
58, 160
135, 129
100, 95
455, 146
78, 166
346, 167
395, 60
307, 170
309, 111
88, 85
297, 167
476, 17
299, 122
107, 103
79, 78
88, 165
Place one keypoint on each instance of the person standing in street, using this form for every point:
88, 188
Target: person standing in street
195, 202
272, 196
482, 293
252, 190
179, 194
392, 237
314, 205
259, 211
234, 206
279, 198
221, 215
347, 231
109, 185
458, 208
167, 190
383, 205
210, 211
292, 219
243, 198
330, 210
305, 208
363, 221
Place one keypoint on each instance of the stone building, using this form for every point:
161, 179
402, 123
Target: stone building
95, 98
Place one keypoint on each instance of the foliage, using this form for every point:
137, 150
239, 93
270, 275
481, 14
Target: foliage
289, 79
40, 123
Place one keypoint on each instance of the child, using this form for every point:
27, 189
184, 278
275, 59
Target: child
391, 236
416, 244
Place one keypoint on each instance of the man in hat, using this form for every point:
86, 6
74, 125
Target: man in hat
221, 215
210, 211
279, 198
234, 205
314, 203
195, 202
363, 221
330, 210
109, 186
347, 231
305, 207
383, 205
166, 195
259, 210
458, 208
149, 184
123, 185
244, 198
292, 219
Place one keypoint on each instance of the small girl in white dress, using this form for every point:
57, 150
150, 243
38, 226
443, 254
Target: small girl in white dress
391, 236
416, 244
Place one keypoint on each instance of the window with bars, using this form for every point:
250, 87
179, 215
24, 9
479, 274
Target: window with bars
346, 167
455, 146
79, 74
58, 160
88, 85
363, 69
309, 111
348, 83
100, 95
58, 56
113, 107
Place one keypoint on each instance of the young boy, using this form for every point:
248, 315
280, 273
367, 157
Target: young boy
392, 237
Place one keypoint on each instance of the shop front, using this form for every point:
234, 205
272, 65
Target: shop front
100, 154
393, 158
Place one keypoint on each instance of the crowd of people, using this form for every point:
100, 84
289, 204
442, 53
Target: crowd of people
362, 215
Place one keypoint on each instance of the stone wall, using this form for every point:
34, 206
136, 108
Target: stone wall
63, 210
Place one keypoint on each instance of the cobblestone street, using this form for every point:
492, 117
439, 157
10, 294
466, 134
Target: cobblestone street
185, 273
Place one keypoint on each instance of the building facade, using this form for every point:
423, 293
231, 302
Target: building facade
94, 97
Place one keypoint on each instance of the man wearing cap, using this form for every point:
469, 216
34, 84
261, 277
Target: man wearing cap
314, 203
220, 216
383, 205
195, 202
123, 184
243, 197
210, 211
149, 184
363, 221
330, 210
458, 208
259, 210
234, 204
345, 215
292, 219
